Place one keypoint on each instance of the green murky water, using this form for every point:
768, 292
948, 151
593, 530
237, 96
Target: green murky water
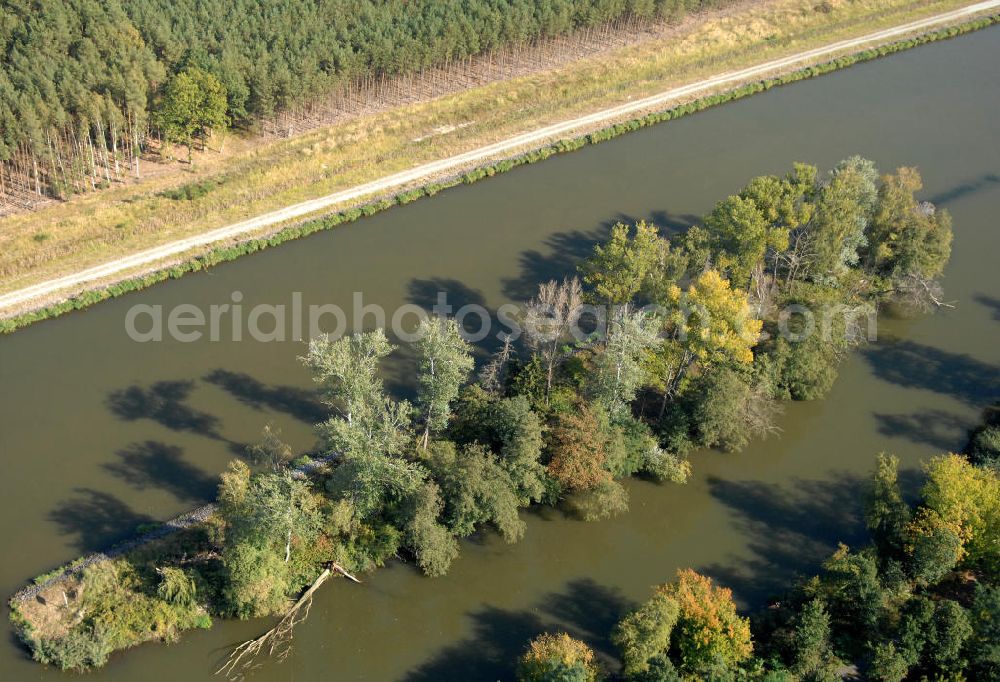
99, 434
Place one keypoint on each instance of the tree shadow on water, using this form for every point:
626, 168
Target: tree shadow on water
915, 365
152, 464
991, 302
984, 182
163, 402
484, 333
673, 224
942, 429
489, 654
584, 609
565, 250
588, 611
300, 403
791, 529
425, 293
400, 372
97, 519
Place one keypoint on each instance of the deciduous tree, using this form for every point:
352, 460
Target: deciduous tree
812, 650
549, 321
710, 324
620, 268
444, 365
576, 448
620, 362
842, 215
887, 514
348, 371
558, 658
728, 412
909, 242
709, 633
967, 498
934, 546
193, 104
477, 490
644, 634
433, 544
366, 421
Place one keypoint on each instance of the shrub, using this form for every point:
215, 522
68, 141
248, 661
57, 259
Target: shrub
432, 543
257, 580
984, 448
643, 636
176, 587
558, 658
664, 466
78, 650
191, 190
605, 500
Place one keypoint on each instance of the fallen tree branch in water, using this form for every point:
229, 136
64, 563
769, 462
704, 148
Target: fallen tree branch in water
278, 639
340, 569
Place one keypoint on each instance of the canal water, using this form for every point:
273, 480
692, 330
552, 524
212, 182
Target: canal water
100, 434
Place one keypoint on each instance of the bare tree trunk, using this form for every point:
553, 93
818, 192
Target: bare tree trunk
93, 164
38, 182
103, 149
114, 147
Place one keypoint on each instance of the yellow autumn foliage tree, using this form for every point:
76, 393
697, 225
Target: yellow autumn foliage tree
708, 629
967, 498
558, 657
709, 323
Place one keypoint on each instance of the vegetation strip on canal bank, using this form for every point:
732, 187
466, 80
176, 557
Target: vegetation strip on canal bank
229, 252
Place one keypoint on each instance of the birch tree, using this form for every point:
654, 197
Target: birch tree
445, 364
620, 365
548, 323
710, 323
365, 418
